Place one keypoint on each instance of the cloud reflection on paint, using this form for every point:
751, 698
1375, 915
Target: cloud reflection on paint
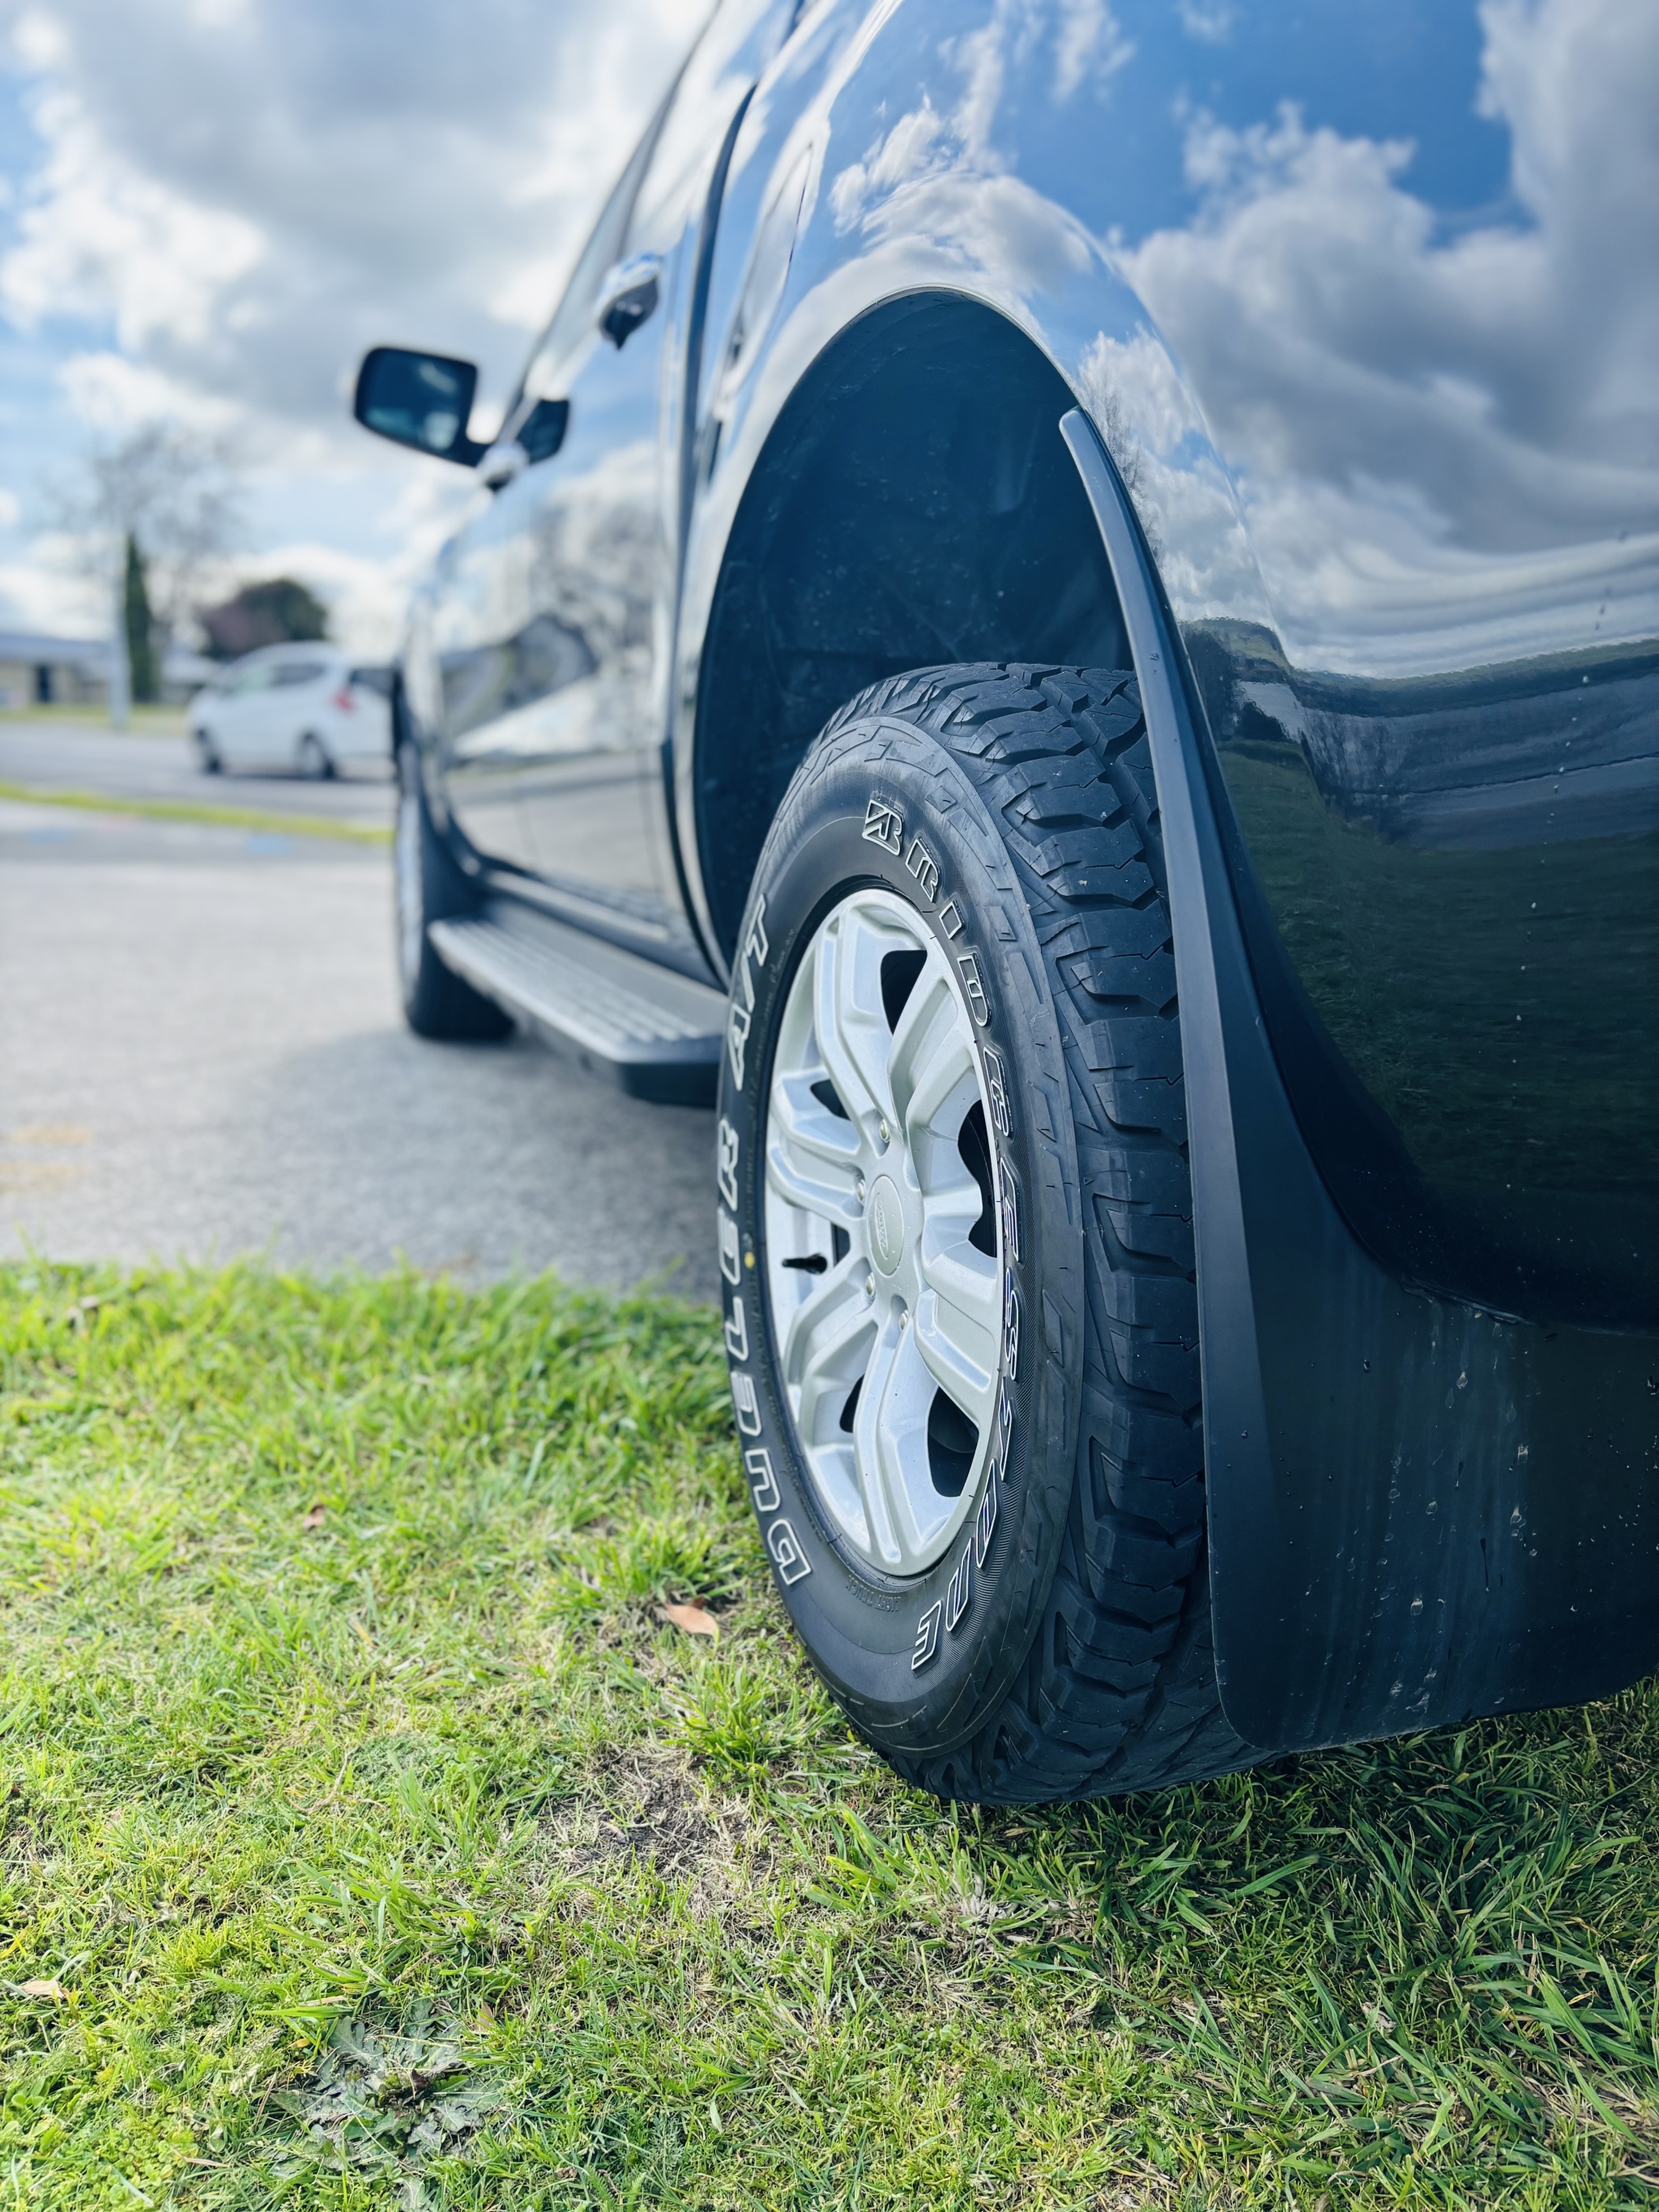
1430, 434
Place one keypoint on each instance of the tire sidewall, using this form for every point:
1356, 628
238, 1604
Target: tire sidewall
920, 1664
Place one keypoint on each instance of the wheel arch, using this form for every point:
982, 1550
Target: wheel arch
914, 503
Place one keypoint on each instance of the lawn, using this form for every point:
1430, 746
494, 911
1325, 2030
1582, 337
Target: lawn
371, 1838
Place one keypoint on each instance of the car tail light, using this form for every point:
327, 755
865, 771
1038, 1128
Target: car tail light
344, 700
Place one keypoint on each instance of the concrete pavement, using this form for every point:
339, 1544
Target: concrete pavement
201, 1054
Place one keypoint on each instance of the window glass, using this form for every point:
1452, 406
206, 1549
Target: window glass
669, 162
727, 59
542, 431
289, 673
251, 679
564, 342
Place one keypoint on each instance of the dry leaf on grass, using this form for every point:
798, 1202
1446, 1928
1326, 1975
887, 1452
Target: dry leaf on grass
693, 1620
55, 1991
315, 1518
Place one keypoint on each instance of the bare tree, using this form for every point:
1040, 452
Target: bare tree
174, 493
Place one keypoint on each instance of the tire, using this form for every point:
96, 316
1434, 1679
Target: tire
1002, 821
207, 756
313, 759
428, 887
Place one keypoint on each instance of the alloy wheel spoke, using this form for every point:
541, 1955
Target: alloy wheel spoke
814, 1185
957, 1325
873, 1449
834, 1312
928, 1026
941, 1064
807, 1123
852, 1025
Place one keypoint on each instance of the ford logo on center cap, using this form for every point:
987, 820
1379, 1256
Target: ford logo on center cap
885, 1213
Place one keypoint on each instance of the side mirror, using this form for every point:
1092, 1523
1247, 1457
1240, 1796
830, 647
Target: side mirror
418, 399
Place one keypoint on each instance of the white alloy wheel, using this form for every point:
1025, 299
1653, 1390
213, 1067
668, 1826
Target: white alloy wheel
882, 1259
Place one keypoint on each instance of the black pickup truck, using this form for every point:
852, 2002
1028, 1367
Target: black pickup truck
1064, 626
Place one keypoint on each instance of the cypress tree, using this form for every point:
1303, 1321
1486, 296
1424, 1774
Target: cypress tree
141, 656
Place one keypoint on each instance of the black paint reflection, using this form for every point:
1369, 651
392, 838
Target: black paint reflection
487, 681
1456, 885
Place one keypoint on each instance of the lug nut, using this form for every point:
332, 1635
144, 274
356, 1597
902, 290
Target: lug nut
886, 1134
860, 1190
869, 1286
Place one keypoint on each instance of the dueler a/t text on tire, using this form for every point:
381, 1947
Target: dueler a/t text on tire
955, 1229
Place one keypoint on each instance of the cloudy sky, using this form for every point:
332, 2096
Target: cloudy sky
209, 208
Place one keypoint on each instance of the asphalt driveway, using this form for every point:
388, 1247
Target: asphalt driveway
201, 1054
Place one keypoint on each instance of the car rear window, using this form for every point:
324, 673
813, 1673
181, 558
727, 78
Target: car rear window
372, 680
299, 672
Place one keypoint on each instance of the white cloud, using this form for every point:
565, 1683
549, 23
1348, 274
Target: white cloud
101, 237
111, 393
1089, 47
50, 590
1210, 21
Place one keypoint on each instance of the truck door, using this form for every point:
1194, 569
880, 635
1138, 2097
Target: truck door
557, 600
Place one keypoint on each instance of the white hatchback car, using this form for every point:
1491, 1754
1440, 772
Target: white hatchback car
308, 710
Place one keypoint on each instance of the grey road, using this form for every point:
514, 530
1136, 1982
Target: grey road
201, 1054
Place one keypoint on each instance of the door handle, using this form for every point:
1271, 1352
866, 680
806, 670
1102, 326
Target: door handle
628, 296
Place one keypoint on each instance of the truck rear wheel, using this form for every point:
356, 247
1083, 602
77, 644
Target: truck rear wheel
430, 887
955, 1226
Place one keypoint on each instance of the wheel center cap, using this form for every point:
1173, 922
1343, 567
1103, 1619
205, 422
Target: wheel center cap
885, 1214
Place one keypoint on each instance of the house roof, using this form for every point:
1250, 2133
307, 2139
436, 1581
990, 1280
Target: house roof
36, 646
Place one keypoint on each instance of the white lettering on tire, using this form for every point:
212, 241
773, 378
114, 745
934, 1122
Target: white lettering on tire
788, 1556
745, 1404
725, 1168
763, 1483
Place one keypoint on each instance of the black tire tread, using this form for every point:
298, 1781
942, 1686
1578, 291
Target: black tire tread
1119, 1693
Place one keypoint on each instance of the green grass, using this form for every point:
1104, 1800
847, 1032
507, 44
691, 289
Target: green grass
190, 810
388, 1850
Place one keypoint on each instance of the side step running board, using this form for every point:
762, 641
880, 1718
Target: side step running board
655, 1033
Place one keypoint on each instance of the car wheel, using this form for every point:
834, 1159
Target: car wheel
955, 1231
313, 759
430, 887
207, 756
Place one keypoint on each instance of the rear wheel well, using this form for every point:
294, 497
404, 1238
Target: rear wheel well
915, 504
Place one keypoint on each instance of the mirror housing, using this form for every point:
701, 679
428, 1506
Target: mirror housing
418, 399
